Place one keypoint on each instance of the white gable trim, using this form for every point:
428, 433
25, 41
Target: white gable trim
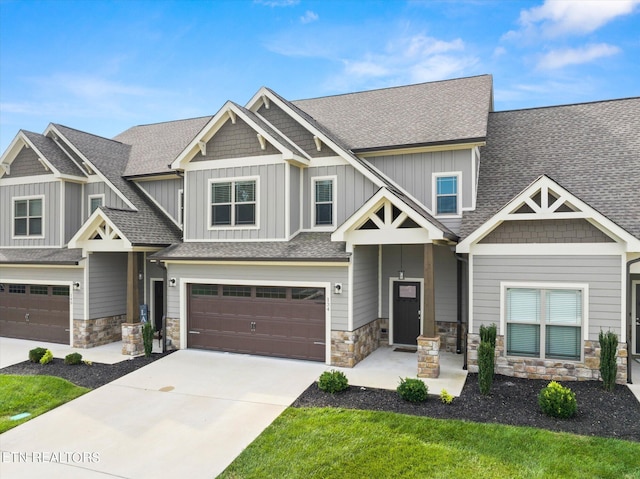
548, 210
99, 224
19, 142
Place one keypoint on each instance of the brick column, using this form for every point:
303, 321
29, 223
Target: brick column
428, 357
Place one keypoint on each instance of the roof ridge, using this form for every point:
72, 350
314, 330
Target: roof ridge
562, 105
87, 133
167, 121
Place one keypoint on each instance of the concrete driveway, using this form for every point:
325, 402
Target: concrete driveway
187, 415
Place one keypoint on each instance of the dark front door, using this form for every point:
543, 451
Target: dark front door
637, 318
158, 304
406, 312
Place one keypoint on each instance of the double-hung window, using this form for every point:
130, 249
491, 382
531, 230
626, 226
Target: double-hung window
446, 194
95, 202
233, 203
544, 323
323, 190
27, 217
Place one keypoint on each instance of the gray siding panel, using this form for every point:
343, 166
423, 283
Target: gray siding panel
546, 231
365, 285
601, 273
353, 190
111, 198
415, 172
107, 284
254, 274
234, 141
271, 203
412, 263
67, 275
27, 163
72, 210
294, 199
51, 217
446, 284
165, 193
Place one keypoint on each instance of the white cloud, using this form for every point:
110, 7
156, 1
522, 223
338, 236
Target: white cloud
563, 17
309, 17
575, 56
499, 51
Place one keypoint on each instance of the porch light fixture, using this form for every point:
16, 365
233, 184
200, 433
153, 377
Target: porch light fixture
401, 271
172, 282
76, 285
140, 276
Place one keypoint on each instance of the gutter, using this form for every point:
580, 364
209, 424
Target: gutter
160, 264
630, 319
459, 271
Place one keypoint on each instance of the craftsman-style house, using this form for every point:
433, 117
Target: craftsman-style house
320, 229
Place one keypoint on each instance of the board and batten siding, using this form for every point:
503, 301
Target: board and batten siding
111, 198
165, 193
271, 203
294, 199
414, 172
353, 190
365, 285
603, 274
72, 209
253, 274
51, 217
53, 275
107, 284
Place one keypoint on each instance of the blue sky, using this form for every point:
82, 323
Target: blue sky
103, 66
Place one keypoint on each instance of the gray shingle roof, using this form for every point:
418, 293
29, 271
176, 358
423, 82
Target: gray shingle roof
154, 147
590, 149
40, 256
303, 247
142, 227
54, 154
425, 113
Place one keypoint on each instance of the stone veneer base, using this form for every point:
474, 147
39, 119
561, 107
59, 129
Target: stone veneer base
173, 333
132, 343
548, 369
428, 357
448, 333
96, 332
348, 348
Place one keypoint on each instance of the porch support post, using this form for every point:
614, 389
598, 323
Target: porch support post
132, 288
429, 313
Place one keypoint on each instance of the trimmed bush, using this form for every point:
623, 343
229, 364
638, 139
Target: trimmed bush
147, 338
73, 359
445, 397
556, 400
47, 357
488, 334
486, 366
413, 390
333, 381
35, 355
608, 365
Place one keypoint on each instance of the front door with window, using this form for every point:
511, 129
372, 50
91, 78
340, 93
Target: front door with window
406, 312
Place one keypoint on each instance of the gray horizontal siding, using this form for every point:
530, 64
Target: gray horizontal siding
270, 203
73, 209
412, 263
254, 274
111, 198
67, 275
165, 193
415, 172
107, 284
26, 163
365, 285
353, 189
51, 217
601, 273
446, 284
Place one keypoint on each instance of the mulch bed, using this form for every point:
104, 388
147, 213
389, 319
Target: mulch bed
512, 401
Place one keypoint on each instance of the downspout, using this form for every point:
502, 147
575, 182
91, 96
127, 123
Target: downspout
629, 318
164, 304
459, 274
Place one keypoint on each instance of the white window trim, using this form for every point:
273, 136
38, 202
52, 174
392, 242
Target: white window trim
233, 180
13, 214
91, 197
314, 180
181, 206
434, 193
584, 287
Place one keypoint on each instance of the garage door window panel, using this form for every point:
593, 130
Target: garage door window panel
237, 291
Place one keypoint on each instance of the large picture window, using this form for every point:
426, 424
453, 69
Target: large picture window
323, 200
544, 323
27, 217
233, 203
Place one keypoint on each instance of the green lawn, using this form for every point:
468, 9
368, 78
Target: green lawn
339, 443
33, 394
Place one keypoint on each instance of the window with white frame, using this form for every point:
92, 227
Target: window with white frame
446, 194
27, 216
323, 190
233, 203
95, 202
181, 207
544, 323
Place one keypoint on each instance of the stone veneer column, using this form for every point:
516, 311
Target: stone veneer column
428, 357
132, 344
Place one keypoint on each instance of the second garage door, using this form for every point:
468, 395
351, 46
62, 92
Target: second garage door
264, 320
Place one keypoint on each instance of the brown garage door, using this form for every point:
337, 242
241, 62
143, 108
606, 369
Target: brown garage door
37, 312
263, 320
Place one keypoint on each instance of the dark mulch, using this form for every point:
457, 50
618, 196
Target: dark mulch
94, 376
512, 401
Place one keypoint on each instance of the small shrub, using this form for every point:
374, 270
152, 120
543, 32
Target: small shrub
608, 366
36, 354
87, 362
413, 390
488, 334
47, 357
73, 359
486, 364
147, 338
333, 381
556, 400
445, 397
